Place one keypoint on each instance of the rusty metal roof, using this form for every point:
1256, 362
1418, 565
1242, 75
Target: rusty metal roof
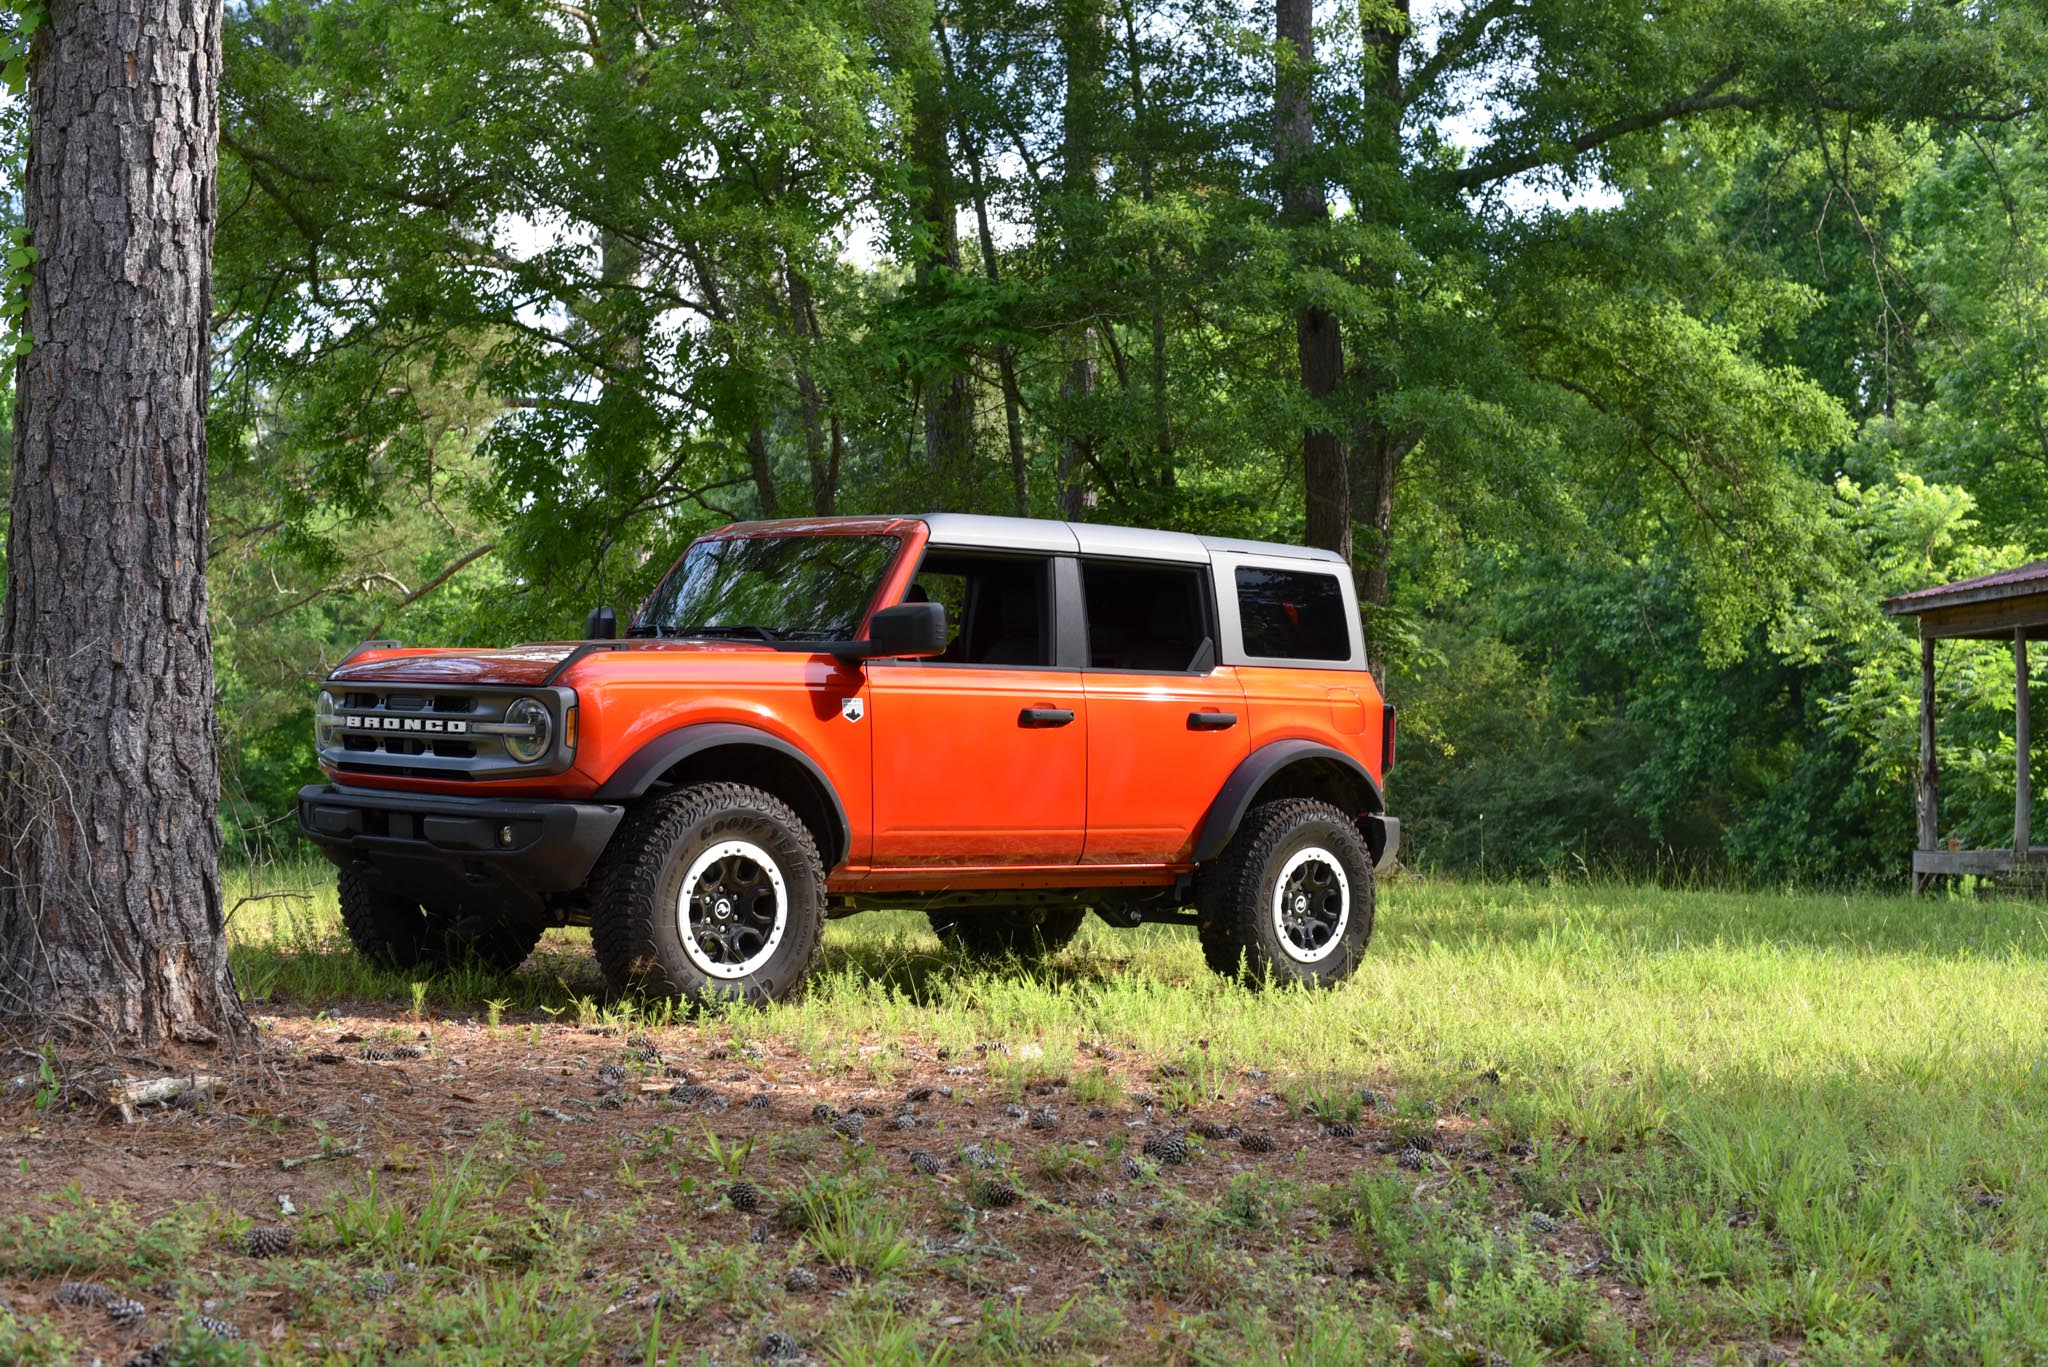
2026, 581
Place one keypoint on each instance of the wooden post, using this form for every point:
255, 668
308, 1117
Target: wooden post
1930, 785
2022, 738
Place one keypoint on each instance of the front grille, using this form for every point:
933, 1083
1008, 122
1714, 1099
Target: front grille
437, 731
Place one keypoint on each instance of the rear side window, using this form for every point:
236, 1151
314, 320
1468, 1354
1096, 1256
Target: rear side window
1153, 618
1292, 614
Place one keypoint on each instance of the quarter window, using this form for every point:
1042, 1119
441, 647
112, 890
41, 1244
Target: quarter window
1292, 614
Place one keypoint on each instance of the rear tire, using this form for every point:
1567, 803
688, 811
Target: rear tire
710, 891
1290, 898
1009, 932
405, 937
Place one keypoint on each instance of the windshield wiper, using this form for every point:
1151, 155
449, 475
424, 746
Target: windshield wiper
768, 634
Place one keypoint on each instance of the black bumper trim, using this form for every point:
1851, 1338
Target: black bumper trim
449, 850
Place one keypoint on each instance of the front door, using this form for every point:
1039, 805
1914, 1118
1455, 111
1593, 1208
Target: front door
981, 753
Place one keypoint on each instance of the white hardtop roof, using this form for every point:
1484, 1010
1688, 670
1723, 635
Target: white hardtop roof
1045, 535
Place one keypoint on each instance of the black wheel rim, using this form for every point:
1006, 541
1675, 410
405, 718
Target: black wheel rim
1311, 905
733, 909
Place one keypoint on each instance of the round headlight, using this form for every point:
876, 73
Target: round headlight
326, 725
531, 714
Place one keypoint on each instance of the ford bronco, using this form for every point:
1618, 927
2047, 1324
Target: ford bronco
1002, 722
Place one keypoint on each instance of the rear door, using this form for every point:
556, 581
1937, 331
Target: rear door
981, 754
1166, 723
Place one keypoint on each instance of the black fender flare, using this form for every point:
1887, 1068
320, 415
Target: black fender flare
1234, 799
647, 764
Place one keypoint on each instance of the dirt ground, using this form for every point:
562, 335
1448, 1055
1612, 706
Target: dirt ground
572, 1118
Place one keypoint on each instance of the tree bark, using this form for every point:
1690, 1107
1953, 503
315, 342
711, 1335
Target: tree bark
1319, 348
821, 457
947, 402
1084, 53
1376, 451
110, 906
1006, 356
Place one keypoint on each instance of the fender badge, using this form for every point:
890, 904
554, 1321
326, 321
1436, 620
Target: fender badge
852, 709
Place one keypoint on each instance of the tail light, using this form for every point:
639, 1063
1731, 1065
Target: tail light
1386, 737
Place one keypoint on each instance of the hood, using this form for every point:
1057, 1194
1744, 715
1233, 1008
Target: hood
524, 666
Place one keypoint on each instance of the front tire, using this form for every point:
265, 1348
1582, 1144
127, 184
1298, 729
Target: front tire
1291, 897
1009, 932
711, 891
406, 937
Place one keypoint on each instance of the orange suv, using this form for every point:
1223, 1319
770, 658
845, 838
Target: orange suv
1002, 722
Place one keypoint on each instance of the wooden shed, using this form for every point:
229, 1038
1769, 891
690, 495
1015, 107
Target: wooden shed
2011, 605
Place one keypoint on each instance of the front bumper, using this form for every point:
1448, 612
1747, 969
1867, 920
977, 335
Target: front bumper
472, 854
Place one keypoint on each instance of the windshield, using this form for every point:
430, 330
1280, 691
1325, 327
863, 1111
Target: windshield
772, 588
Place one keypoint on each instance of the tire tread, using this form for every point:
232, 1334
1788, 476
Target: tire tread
1230, 890
626, 888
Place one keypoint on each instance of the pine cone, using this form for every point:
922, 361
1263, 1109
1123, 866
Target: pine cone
1170, 1148
777, 1346
998, 1194
270, 1241
925, 1163
800, 1280
123, 1311
83, 1293
1256, 1143
743, 1196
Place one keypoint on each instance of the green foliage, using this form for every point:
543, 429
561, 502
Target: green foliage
32, 1342
1684, 334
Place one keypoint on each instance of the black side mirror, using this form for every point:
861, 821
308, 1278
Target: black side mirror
907, 631
601, 625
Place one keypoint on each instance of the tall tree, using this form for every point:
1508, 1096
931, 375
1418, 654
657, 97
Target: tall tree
1319, 347
110, 903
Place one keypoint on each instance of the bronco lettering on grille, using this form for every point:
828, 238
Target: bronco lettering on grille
351, 721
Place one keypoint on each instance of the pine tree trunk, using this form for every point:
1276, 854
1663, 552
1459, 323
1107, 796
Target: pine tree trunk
1319, 350
110, 902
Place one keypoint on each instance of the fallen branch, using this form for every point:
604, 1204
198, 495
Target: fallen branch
125, 1095
345, 1152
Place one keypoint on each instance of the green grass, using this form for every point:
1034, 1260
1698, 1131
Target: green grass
1811, 1120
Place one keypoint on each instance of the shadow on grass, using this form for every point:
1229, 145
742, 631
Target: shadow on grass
561, 979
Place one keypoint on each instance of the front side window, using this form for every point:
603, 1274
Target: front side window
771, 588
1292, 614
996, 606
